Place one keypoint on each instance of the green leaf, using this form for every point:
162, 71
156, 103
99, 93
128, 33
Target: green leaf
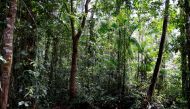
136, 43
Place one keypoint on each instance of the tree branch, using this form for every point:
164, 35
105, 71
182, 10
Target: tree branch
72, 20
83, 20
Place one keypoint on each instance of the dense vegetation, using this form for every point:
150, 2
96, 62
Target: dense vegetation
95, 54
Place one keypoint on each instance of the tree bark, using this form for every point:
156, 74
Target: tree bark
7, 54
160, 53
119, 78
187, 28
75, 39
183, 63
73, 89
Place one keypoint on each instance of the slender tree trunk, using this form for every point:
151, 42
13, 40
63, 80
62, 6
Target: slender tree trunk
161, 77
139, 39
183, 63
75, 39
73, 89
54, 60
72, 85
159, 59
7, 54
53, 66
119, 56
119, 79
184, 73
138, 66
46, 58
119, 76
187, 26
124, 64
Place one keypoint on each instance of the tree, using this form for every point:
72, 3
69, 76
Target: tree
187, 30
75, 41
160, 54
25, 45
7, 54
118, 41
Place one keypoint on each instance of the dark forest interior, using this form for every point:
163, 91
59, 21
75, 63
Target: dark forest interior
95, 54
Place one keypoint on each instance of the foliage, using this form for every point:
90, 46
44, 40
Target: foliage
117, 53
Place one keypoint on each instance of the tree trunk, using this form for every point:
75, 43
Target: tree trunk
7, 54
124, 67
46, 58
73, 89
159, 58
183, 64
119, 78
54, 60
75, 39
187, 26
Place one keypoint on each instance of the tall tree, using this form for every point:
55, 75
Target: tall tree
25, 44
187, 29
160, 53
75, 41
183, 51
7, 54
